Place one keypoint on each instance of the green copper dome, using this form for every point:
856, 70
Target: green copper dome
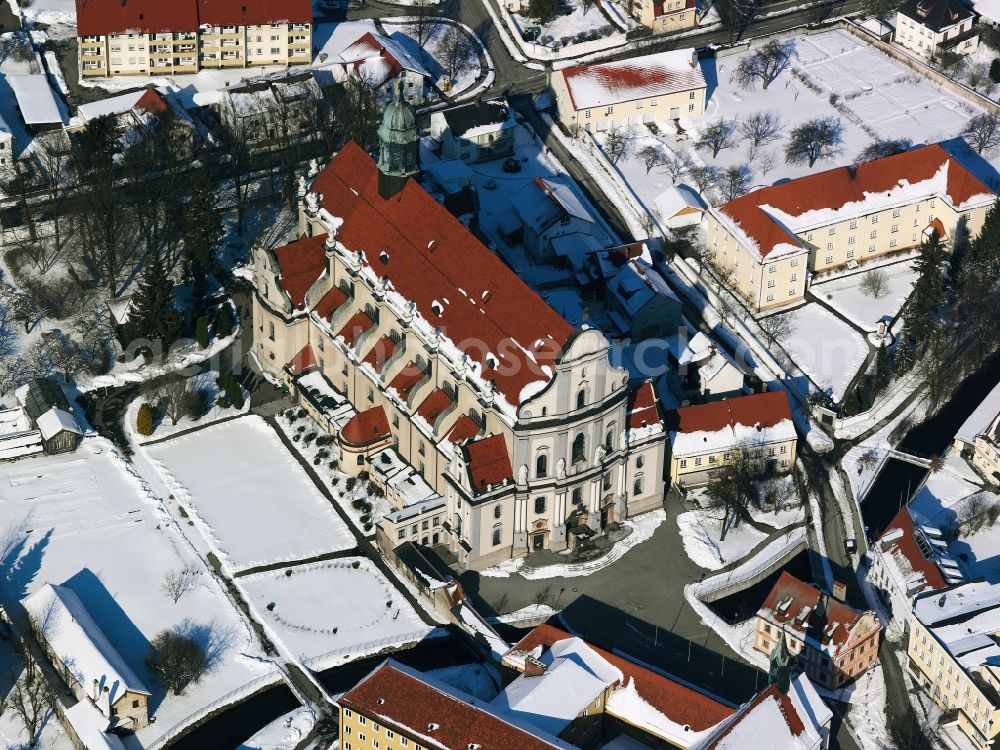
399, 138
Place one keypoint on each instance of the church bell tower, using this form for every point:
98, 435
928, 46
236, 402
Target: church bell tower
399, 145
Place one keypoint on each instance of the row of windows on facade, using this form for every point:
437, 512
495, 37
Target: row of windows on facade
638, 104
954, 690
375, 729
726, 456
611, 110
192, 34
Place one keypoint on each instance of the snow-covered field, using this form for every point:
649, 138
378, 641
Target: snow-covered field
873, 95
332, 607
252, 499
564, 28
701, 531
826, 348
89, 523
845, 294
284, 733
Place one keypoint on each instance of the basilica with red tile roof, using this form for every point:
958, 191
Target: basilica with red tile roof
385, 306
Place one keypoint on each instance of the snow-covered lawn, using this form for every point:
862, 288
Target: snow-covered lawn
284, 733
873, 95
89, 523
701, 531
577, 25
332, 606
826, 348
846, 295
251, 498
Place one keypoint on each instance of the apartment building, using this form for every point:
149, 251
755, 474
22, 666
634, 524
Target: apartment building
704, 437
516, 418
979, 437
665, 15
647, 89
909, 559
953, 656
149, 37
830, 642
933, 28
769, 243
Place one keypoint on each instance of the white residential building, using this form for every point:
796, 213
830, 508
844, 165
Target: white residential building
932, 28
381, 61
478, 131
543, 210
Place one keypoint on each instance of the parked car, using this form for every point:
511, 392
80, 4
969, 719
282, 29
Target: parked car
511, 165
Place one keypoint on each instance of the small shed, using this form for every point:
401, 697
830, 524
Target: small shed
680, 206
39, 107
50, 413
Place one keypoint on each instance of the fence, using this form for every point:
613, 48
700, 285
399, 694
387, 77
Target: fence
231, 697
370, 647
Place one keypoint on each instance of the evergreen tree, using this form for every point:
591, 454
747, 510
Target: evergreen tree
903, 359
882, 374
201, 331
929, 293
144, 420
154, 315
202, 233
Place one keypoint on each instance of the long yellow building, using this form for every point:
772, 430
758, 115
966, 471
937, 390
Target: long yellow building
771, 242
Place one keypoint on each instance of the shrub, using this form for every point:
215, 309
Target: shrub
366, 519
358, 504
995, 70
351, 483
144, 420
370, 488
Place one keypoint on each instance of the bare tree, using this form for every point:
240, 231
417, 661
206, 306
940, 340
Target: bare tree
617, 143
456, 50
766, 161
974, 513
977, 77
879, 149
31, 700
875, 284
983, 132
677, 163
735, 181
424, 20
650, 156
759, 129
776, 328
717, 135
733, 488
172, 397
178, 582
706, 178
816, 139
762, 64
868, 460
177, 659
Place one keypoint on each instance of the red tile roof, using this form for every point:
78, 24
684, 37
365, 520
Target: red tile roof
253, 12
488, 463
366, 427
304, 361
356, 327
102, 17
152, 101
439, 717
678, 702
642, 407
330, 302
837, 187
785, 705
385, 348
434, 405
766, 409
802, 595
906, 545
300, 263
433, 260
465, 428
407, 378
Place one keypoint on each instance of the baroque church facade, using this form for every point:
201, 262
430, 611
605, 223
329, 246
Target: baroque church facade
518, 421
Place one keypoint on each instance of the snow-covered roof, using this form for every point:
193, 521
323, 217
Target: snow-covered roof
759, 419
677, 198
91, 727
118, 105
796, 720
13, 422
768, 220
637, 284
478, 118
543, 201
379, 58
980, 419
574, 677
988, 9
35, 99
80, 644
450, 171
54, 421
641, 77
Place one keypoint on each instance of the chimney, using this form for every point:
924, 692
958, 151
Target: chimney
533, 667
97, 690
839, 591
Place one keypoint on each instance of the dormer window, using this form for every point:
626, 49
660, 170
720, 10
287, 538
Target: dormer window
924, 8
